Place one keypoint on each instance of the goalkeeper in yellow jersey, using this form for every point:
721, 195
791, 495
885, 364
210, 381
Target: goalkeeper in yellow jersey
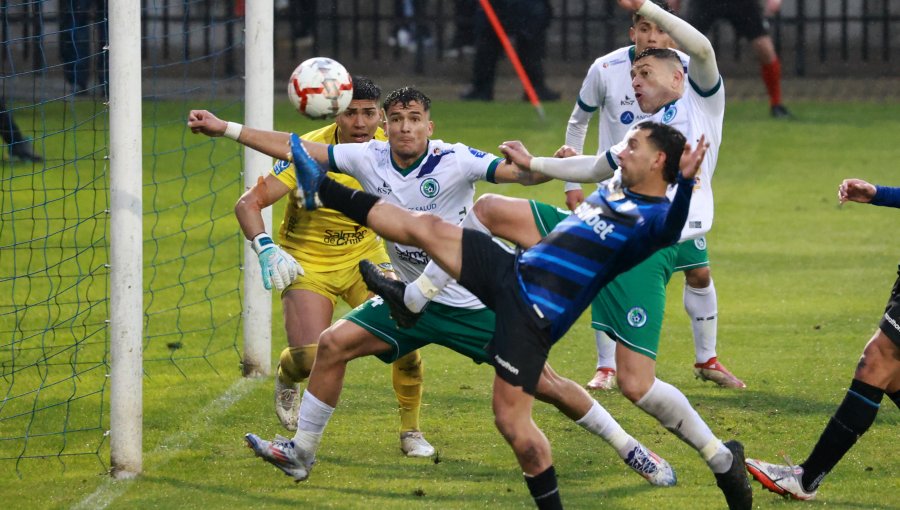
317, 262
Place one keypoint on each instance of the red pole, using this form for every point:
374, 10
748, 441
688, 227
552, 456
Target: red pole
513, 56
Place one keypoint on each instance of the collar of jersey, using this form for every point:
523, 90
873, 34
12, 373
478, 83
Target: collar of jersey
415, 164
631, 54
646, 198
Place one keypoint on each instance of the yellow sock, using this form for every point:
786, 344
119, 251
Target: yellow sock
407, 375
296, 363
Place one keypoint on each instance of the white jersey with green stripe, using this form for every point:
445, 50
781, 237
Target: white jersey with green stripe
607, 88
441, 182
698, 112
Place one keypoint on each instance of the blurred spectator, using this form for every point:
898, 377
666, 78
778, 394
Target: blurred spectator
526, 21
464, 28
303, 15
76, 20
20, 148
746, 16
408, 15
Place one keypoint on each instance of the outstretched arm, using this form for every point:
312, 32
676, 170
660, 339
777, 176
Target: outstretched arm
858, 190
702, 69
271, 143
574, 169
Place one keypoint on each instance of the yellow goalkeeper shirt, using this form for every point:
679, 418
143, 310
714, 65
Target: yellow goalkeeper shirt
324, 239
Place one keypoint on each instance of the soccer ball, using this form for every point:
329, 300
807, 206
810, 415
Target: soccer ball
320, 88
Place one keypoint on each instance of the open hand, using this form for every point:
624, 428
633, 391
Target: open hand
631, 5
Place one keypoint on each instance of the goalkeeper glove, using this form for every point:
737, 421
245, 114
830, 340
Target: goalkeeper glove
278, 266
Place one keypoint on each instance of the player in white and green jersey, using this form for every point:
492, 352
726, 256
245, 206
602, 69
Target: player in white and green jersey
607, 90
434, 177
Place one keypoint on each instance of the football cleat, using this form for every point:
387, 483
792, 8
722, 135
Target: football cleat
713, 370
284, 454
780, 479
309, 176
651, 466
287, 405
604, 379
734, 483
414, 444
389, 290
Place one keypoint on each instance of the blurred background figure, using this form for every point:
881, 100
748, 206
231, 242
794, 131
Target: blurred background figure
77, 18
463, 43
526, 22
408, 23
749, 20
303, 15
20, 148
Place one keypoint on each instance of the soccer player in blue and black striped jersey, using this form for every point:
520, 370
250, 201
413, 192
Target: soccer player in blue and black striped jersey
538, 293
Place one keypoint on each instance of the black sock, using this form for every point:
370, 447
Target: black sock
895, 396
544, 490
355, 204
851, 420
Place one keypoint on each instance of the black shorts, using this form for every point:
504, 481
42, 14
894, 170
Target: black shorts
890, 321
745, 16
521, 341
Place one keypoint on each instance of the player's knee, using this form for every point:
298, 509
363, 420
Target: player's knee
409, 370
485, 208
295, 363
879, 362
632, 388
698, 278
331, 347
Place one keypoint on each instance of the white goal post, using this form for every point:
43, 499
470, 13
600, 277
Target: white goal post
126, 216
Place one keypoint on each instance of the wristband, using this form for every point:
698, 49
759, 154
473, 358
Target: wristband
261, 242
571, 186
233, 130
537, 164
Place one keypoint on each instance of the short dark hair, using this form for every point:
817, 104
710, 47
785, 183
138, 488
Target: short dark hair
635, 17
668, 140
365, 89
404, 96
662, 54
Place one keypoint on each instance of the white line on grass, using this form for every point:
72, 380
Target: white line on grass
111, 489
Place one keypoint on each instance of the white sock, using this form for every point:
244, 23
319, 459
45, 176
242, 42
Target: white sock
433, 279
313, 415
598, 421
671, 408
606, 350
717, 456
701, 306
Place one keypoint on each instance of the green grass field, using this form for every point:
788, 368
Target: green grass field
801, 283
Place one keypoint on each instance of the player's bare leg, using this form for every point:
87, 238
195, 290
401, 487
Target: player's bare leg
508, 218
512, 416
306, 315
638, 382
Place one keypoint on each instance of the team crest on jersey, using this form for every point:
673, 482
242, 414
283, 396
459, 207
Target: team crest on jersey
430, 187
628, 101
637, 317
671, 111
281, 166
477, 153
700, 243
626, 118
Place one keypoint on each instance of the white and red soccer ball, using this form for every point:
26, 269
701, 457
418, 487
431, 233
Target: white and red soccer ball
320, 88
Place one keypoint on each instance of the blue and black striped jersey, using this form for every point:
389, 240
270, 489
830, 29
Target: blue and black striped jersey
611, 232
